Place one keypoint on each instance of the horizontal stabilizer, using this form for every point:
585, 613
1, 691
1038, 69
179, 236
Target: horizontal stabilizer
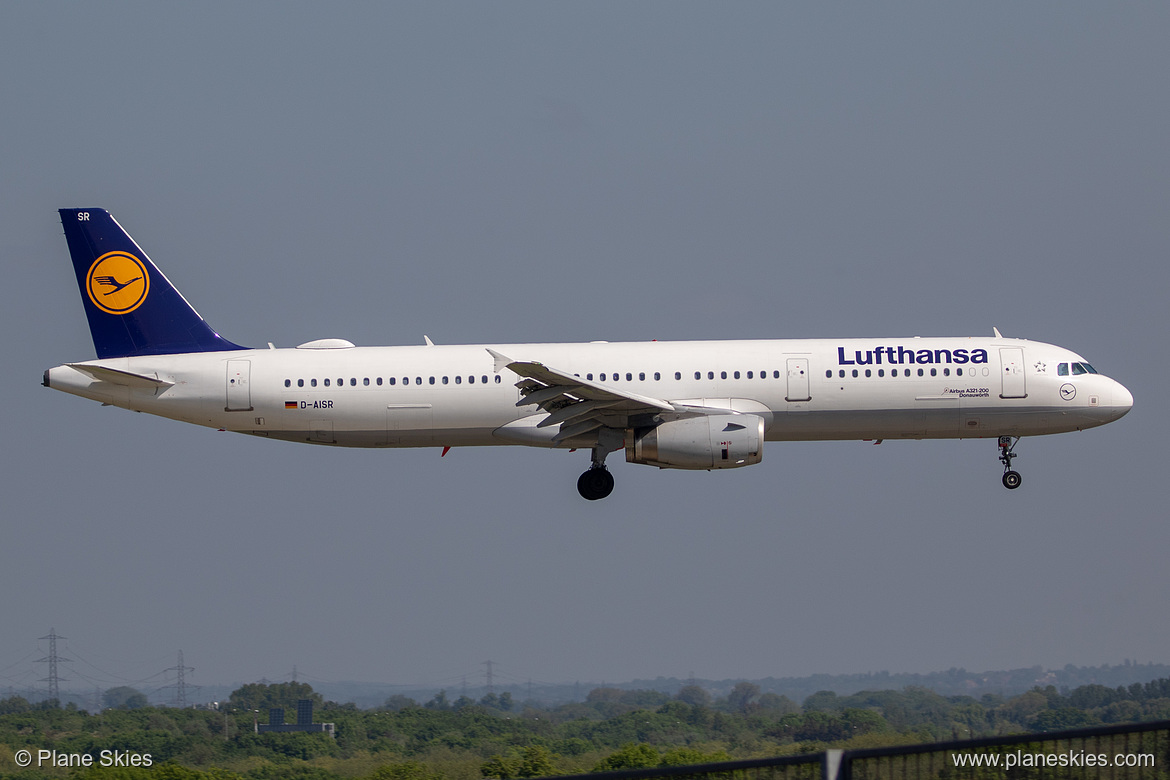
116, 377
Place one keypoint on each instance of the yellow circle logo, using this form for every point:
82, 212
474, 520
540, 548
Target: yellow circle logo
117, 282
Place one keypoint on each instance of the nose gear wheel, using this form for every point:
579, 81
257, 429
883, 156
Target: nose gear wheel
1007, 446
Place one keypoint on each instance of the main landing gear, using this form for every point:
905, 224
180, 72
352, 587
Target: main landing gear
1007, 446
597, 482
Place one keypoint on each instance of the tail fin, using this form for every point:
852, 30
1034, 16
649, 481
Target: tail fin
132, 308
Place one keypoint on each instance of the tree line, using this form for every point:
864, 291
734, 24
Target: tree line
498, 737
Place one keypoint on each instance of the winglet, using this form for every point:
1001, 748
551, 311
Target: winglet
501, 361
995, 330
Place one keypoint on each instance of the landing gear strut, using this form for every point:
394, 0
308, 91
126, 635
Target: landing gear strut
1007, 446
597, 482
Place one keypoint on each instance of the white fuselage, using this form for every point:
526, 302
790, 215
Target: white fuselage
910, 388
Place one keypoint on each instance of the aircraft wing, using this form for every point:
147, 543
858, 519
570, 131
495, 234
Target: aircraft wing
579, 406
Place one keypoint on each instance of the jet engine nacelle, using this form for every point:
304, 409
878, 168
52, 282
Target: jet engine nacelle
721, 441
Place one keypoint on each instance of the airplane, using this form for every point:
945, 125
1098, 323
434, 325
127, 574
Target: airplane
698, 405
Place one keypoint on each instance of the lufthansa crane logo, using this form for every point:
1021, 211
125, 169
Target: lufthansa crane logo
117, 283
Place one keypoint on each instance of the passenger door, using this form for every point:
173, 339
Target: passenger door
1011, 363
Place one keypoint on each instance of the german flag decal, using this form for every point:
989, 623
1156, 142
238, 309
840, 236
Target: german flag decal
290, 404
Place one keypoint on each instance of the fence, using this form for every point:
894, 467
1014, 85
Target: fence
1139, 751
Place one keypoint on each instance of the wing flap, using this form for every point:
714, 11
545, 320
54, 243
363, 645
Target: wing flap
577, 429
579, 406
572, 412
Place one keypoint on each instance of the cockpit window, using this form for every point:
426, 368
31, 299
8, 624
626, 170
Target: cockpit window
1077, 369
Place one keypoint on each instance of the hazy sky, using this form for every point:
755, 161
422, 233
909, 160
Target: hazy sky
568, 172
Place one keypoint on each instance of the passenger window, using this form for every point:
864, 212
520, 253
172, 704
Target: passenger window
735, 375
678, 375
288, 383
657, 376
366, 381
868, 373
881, 372
327, 383
828, 374
458, 379
775, 374
698, 375
353, 381
641, 376
946, 372
497, 379
921, 372
431, 380
471, 380
855, 373
722, 374
629, 377
444, 380
300, 383
934, 372
312, 383
589, 377
710, 374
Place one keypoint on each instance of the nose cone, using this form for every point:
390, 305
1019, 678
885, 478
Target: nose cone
1122, 400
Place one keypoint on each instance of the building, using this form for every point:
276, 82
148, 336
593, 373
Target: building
304, 720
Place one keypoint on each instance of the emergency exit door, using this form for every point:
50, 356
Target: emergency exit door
797, 380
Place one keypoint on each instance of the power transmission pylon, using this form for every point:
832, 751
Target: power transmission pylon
53, 659
180, 685
490, 688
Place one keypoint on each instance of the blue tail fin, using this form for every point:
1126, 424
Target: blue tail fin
132, 308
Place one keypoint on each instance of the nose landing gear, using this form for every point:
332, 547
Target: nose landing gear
1007, 446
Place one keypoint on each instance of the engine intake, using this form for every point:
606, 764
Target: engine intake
721, 441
